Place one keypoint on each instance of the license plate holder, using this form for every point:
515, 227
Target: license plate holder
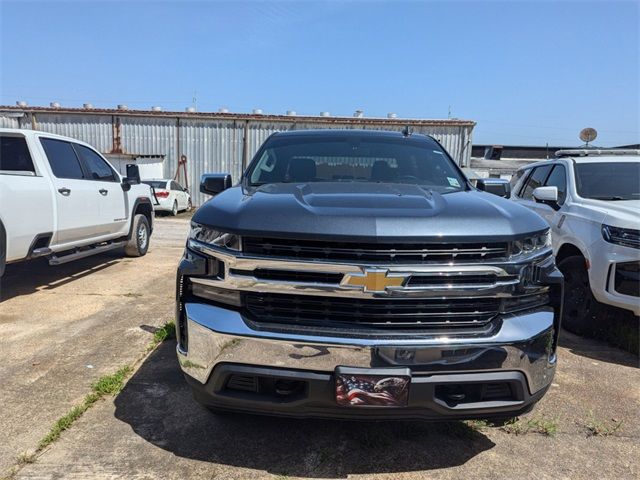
372, 387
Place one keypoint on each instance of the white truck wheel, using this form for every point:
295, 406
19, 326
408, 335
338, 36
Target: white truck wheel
139, 242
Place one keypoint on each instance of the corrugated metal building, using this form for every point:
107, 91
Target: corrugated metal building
211, 142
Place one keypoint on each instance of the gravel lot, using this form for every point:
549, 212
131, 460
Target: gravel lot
64, 327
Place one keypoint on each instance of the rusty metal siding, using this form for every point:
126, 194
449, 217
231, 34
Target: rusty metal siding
210, 147
455, 139
92, 129
145, 136
9, 122
211, 142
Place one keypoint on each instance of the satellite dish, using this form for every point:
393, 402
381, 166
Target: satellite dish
588, 135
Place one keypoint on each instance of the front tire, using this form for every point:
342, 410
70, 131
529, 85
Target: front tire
582, 313
138, 244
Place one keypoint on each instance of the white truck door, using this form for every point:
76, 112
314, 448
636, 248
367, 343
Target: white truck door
77, 202
557, 178
26, 202
107, 188
525, 196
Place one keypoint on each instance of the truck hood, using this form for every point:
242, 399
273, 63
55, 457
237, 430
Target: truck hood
375, 212
621, 213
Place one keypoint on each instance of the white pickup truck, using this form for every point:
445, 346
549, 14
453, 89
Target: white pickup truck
61, 199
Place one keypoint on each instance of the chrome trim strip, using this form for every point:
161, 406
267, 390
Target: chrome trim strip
247, 260
251, 284
247, 282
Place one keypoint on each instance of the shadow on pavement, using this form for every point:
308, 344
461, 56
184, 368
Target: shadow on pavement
27, 277
157, 404
597, 350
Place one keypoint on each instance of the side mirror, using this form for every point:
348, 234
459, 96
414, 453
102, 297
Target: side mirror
497, 186
547, 195
214, 183
132, 178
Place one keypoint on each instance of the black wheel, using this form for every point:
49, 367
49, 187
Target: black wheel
174, 209
189, 206
582, 313
139, 242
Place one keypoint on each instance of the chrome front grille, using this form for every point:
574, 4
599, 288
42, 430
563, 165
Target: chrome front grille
275, 291
373, 252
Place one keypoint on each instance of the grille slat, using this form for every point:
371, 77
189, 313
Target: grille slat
372, 252
383, 313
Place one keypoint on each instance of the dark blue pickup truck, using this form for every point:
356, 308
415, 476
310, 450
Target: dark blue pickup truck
358, 274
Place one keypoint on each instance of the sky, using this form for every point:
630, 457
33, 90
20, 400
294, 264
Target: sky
529, 73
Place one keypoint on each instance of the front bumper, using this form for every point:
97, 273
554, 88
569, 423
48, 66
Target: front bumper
164, 204
520, 351
612, 281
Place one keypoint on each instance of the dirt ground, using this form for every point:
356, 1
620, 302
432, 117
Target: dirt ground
64, 327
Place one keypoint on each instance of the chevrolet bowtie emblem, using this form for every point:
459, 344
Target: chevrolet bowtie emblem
373, 280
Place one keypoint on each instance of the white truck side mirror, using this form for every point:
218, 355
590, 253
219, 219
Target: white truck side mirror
548, 196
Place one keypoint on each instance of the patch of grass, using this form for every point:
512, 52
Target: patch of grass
106, 385
111, 384
543, 426
165, 332
548, 427
514, 426
25, 458
601, 428
62, 424
477, 425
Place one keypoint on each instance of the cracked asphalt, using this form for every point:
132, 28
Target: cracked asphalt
64, 327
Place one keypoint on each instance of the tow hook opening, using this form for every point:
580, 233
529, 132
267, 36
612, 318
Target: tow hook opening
267, 387
460, 394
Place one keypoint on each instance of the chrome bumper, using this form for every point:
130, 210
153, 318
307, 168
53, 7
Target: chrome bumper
523, 343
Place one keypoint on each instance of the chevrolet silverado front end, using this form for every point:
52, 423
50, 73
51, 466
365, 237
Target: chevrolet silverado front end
358, 275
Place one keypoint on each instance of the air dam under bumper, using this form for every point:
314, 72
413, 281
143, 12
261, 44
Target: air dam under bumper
519, 356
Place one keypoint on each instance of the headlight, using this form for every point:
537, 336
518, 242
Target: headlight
627, 237
216, 238
532, 244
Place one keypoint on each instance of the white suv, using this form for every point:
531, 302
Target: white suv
591, 200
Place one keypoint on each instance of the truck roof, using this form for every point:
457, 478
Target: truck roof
32, 133
330, 132
28, 132
603, 156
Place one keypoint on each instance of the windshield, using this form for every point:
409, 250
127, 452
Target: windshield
608, 180
156, 183
357, 158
